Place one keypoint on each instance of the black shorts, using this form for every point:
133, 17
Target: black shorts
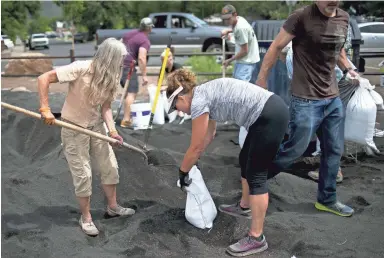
262, 144
133, 83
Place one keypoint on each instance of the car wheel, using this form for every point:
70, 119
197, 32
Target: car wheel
47, 47
216, 48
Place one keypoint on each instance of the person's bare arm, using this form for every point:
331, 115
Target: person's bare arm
343, 62
43, 82
198, 140
106, 113
225, 32
282, 39
243, 52
143, 61
210, 134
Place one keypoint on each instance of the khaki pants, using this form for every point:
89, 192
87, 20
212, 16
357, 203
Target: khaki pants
80, 151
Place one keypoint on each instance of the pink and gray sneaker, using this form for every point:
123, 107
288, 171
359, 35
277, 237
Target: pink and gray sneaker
247, 246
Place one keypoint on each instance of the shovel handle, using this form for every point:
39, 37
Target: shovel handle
74, 127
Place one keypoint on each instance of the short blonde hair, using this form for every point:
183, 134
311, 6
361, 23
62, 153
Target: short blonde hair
183, 77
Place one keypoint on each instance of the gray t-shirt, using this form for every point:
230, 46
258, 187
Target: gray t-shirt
228, 99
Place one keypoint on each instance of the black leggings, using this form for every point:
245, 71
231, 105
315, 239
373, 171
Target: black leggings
262, 143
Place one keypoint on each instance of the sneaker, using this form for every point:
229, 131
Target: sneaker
120, 211
247, 246
315, 175
236, 210
88, 228
337, 208
125, 123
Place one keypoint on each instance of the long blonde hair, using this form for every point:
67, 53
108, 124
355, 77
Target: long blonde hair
107, 69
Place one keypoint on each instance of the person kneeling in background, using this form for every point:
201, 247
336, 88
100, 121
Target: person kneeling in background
171, 67
92, 87
265, 116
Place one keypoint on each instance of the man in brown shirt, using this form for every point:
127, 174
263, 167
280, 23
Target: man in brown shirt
318, 33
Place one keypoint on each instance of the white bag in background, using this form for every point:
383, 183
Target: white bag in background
242, 135
172, 116
360, 118
200, 210
158, 119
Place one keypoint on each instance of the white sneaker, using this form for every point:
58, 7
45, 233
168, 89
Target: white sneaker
120, 211
88, 228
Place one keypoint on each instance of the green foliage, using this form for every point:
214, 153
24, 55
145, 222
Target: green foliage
205, 64
40, 25
14, 16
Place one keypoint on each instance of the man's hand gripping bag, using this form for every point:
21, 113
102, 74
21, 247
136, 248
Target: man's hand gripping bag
200, 210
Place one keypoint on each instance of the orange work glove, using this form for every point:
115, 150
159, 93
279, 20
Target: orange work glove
115, 135
47, 116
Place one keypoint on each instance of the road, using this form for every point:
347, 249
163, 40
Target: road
86, 49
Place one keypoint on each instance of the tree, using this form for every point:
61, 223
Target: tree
14, 17
40, 25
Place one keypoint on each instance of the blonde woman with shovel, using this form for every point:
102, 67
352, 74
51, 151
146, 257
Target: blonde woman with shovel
92, 87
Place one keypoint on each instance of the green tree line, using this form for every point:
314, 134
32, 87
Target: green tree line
23, 17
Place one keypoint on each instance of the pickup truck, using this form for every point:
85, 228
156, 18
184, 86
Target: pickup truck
189, 34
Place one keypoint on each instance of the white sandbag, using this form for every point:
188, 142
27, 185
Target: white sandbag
377, 99
158, 119
375, 96
360, 118
200, 210
242, 135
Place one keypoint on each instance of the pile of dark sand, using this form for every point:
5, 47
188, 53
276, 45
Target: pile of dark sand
40, 213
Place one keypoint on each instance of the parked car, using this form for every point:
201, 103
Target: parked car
38, 40
8, 42
372, 34
188, 32
81, 37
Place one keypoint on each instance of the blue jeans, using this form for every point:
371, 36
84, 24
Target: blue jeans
243, 71
325, 118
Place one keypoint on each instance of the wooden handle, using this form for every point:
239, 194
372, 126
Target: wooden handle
74, 127
223, 57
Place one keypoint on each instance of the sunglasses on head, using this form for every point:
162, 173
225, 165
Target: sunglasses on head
173, 98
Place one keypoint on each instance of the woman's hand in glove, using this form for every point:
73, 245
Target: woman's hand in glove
184, 179
115, 135
47, 116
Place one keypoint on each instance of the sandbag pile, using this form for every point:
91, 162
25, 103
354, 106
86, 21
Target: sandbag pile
28, 66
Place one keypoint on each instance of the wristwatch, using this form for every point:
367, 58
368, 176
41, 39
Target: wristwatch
346, 70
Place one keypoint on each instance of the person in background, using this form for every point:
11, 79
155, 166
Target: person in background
171, 67
318, 33
346, 88
92, 87
247, 48
264, 115
138, 45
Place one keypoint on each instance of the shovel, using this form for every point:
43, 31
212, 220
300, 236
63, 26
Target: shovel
159, 82
126, 85
75, 128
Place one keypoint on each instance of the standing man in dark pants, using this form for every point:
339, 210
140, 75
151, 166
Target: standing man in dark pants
318, 33
138, 45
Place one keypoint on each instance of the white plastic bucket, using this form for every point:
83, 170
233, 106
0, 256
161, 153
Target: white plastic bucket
159, 118
140, 115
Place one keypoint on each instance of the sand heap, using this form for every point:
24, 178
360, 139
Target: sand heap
28, 66
40, 213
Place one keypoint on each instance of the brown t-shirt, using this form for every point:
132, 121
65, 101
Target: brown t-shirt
316, 48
